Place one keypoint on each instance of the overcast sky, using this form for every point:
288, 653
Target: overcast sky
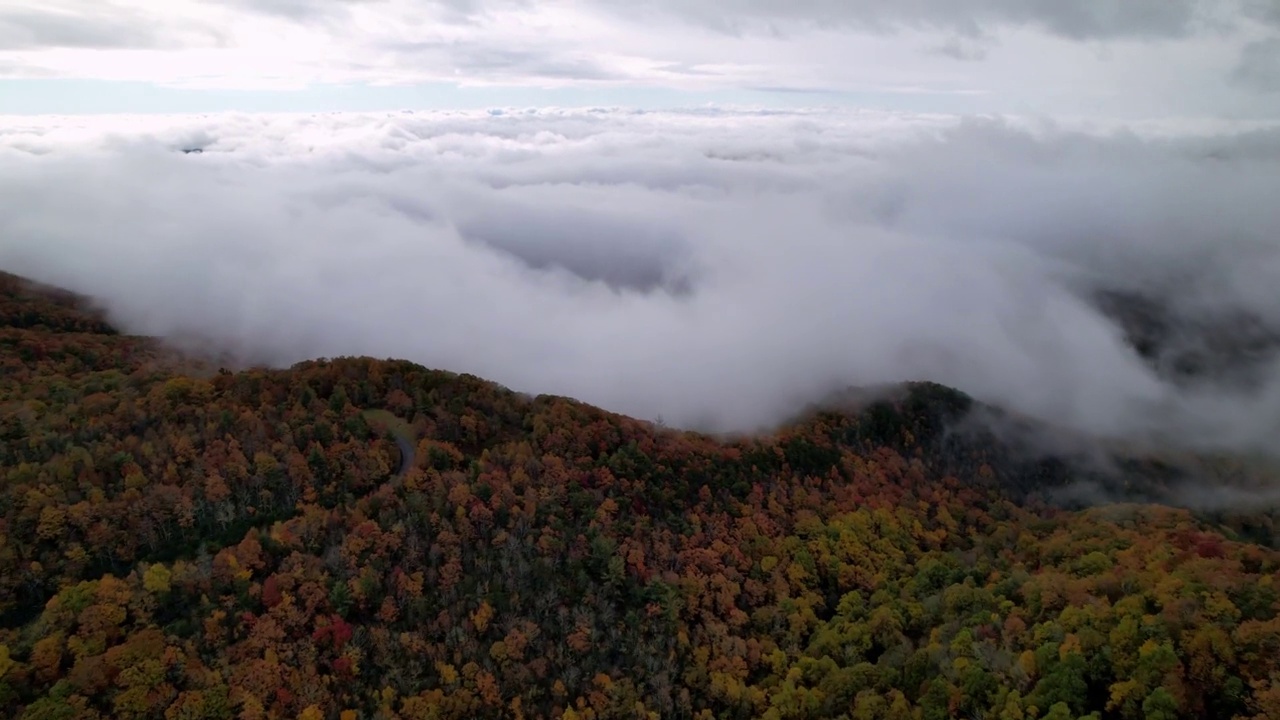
1085, 58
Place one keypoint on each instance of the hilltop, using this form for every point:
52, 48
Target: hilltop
359, 538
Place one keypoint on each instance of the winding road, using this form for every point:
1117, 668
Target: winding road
406, 454
401, 432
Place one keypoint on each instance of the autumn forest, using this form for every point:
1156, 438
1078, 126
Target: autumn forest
359, 539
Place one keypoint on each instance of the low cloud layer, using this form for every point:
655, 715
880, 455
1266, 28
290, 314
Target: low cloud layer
717, 269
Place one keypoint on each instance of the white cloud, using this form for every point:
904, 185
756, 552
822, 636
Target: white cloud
712, 267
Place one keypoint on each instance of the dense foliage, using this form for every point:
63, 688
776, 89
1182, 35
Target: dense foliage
367, 539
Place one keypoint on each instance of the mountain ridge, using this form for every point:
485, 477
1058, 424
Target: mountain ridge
251, 544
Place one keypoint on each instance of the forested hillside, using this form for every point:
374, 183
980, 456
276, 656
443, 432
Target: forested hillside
179, 541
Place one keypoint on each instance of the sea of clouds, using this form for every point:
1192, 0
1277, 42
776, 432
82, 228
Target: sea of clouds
715, 268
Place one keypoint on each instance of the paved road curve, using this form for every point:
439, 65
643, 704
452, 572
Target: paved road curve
406, 454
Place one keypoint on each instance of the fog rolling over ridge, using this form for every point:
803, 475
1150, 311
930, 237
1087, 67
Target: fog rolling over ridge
717, 268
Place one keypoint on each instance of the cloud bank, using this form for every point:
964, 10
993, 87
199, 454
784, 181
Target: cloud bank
716, 268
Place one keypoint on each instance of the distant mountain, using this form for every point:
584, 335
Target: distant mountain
358, 538
1031, 461
1230, 347
32, 305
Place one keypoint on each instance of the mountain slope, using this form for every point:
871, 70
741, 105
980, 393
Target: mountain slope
245, 545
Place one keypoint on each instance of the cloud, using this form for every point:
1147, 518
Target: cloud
1265, 11
1132, 59
1259, 66
1079, 20
641, 255
717, 268
309, 10
960, 48
301, 10
478, 60
99, 27
12, 69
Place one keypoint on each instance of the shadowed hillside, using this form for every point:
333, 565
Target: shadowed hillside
355, 538
30, 305
1226, 347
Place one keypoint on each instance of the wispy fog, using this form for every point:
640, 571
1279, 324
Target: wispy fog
715, 268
